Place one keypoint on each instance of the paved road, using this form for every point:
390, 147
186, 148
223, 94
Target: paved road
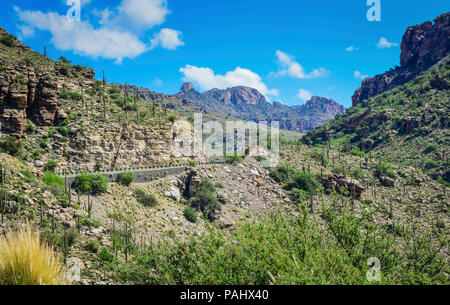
141, 174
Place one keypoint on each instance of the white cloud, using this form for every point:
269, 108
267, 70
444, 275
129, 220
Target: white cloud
359, 75
206, 79
25, 31
351, 48
304, 95
116, 38
82, 38
167, 38
137, 15
292, 68
384, 43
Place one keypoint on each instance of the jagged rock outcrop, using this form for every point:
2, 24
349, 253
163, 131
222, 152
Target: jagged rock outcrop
26, 93
422, 46
343, 185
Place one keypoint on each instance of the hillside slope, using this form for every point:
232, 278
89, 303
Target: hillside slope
406, 125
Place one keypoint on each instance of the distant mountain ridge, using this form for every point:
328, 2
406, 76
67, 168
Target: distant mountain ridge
249, 104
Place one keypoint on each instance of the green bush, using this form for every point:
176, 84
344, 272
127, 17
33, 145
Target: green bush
304, 181
357, 152
126, 178
234, 159
431, 164
192, 163
384, 169
92, 246
430, 148
90, 183
105, 256
205, 199
64, 131
357, 173
190, 214
52, 179
148, 200
8, 40
286, 249
11, 145
283, 172
55, 184
50, 166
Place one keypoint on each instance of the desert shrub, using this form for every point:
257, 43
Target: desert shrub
24, 260
126, 178
357, 152
283, 172
304, 181
430, 148
92, 246
55, 184
30, 127
90, 183
51, 165
148, 200
384, 169
190, 214
234, 159
192, 163
64, 95
64, 60
8, 40
320, 157
64, 131
282, 248
299, 195
357, 173
11, 145
76, 96
105, 256
205, 199
429, 164
52, 179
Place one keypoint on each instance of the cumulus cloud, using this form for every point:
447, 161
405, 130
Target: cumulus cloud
167, 38
117, 37
136, 15
351, 48
304, 95
359, 75
292, 68
384, 43
82, 38
206, 79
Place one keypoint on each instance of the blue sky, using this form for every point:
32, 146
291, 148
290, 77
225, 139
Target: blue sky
286, 49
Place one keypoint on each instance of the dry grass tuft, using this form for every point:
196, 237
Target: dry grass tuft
25, 261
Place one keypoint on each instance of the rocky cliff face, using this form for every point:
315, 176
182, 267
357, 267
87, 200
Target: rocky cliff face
67, 116
31, 93
422, 46
249, 104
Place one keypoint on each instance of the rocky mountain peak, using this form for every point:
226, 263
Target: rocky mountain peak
422, 46
186, 88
